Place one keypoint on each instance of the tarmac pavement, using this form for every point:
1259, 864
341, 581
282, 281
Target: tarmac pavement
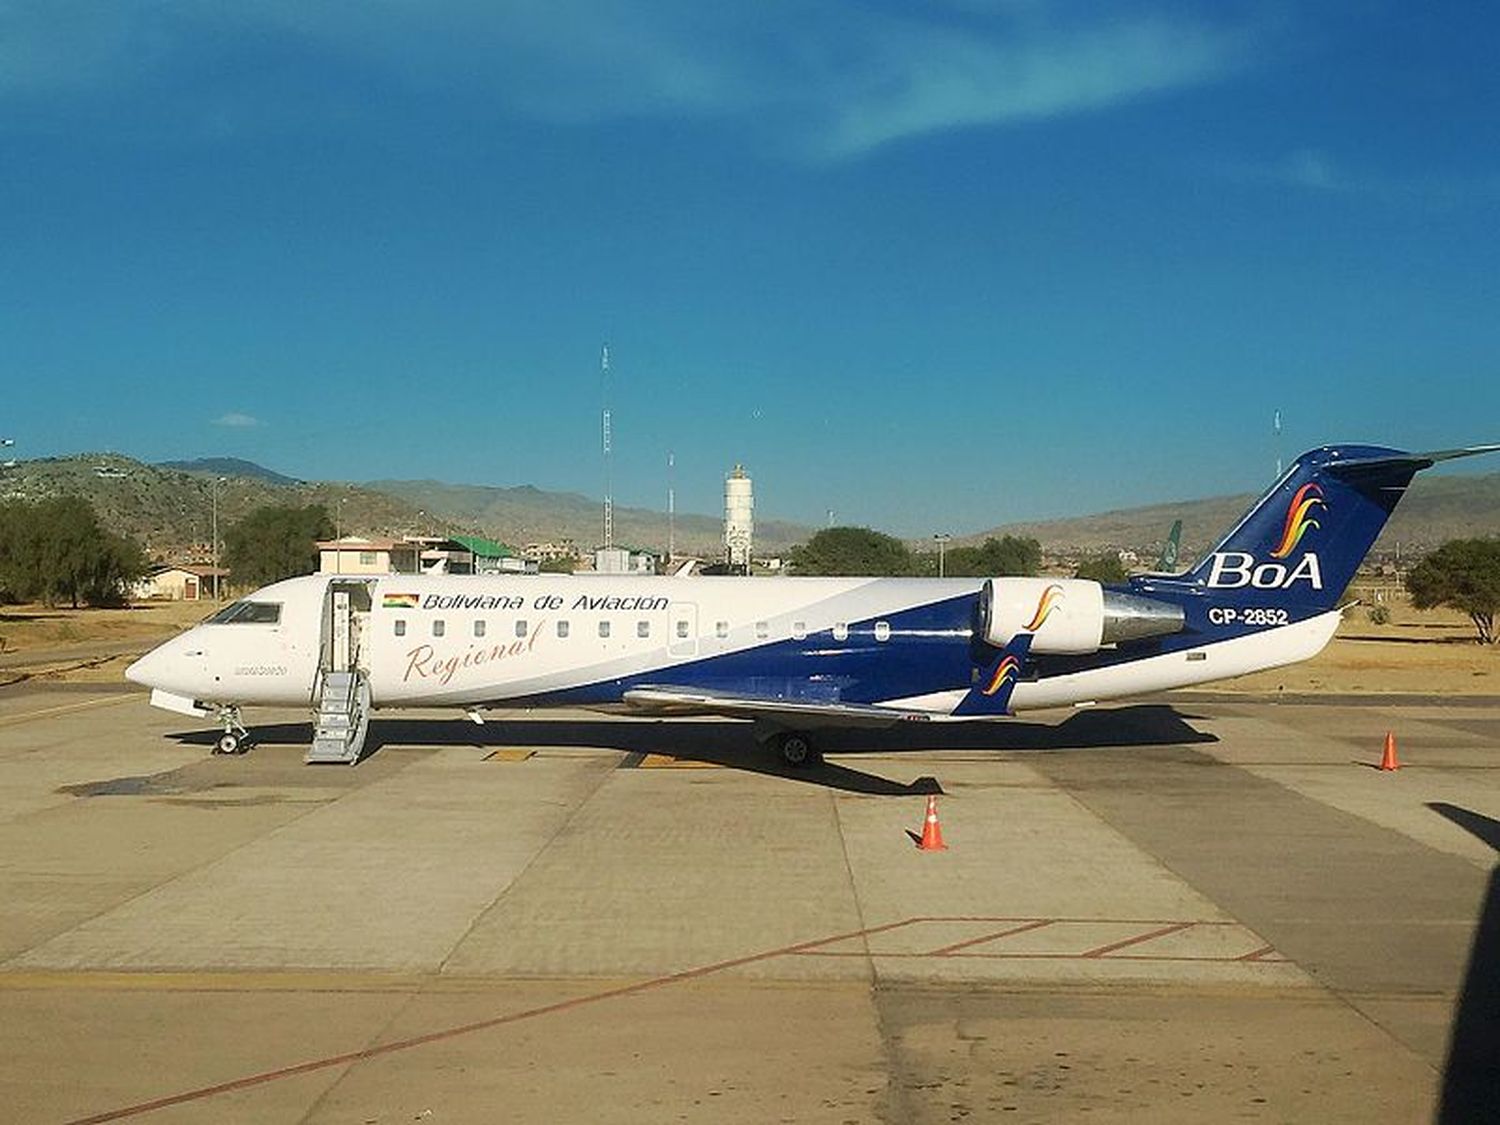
1183, 910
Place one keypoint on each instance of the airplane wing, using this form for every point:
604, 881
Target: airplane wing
804, 713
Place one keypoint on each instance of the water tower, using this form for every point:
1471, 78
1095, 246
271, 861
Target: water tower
739, 518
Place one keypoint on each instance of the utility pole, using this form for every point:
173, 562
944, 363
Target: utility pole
942, 538
214, 491
671, 506
1276, 440
609, 502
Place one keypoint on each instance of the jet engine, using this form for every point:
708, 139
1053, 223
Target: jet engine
1069, 616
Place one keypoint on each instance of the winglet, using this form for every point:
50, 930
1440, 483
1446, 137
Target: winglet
991, 693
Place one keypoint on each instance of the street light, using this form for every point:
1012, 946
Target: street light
214, 492
942, 538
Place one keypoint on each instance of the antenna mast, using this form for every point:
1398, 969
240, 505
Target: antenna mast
1276, 440
671, 506
609, 501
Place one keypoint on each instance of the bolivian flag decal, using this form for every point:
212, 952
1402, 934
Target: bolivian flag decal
399, 601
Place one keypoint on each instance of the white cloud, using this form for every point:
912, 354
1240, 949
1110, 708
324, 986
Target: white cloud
237, 421
831, 80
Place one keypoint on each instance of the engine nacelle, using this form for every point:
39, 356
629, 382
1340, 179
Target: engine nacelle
1069, 616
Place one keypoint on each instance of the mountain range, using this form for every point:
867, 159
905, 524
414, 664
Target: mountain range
174, 503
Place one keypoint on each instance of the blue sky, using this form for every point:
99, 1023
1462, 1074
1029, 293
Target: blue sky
932, 267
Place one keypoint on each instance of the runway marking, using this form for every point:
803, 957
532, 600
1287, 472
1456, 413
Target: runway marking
814, 948
949, 950
667, 762
509, 754
63, 709
1176, 927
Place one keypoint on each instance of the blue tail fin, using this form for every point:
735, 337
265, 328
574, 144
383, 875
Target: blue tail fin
1307, 536
991, 692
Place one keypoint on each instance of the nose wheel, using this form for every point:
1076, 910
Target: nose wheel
235, 739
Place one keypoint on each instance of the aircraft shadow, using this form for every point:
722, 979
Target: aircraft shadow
733, 745
1471, 1074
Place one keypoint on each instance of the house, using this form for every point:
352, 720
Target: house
179, 583
490, 557
354, 554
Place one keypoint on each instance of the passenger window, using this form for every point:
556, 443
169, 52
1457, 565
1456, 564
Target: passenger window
400, 627
721, 629
521, 628
762, 630
562, 628
604, 628
841, 631
479, 628
682, 630
438, 628
643, 628
799, 630
882, 630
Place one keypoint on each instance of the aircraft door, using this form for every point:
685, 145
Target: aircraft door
682, 629
342, 628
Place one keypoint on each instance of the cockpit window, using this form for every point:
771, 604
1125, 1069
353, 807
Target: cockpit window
247, 613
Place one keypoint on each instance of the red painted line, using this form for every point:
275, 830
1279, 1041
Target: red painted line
1137, 940
1258, 954
947, 950
1147, 957
468, 1028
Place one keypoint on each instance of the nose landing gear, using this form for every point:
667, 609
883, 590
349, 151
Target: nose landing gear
235, 739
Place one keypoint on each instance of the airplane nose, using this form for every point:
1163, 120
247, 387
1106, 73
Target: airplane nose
140, 671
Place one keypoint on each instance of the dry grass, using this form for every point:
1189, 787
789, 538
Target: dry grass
32, 628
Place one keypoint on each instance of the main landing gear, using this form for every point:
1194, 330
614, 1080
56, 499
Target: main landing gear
235, 739
796, 750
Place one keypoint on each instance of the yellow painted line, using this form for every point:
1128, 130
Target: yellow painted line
28, 716
512, 754
667, 762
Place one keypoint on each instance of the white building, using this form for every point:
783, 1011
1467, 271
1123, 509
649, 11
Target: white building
739, 517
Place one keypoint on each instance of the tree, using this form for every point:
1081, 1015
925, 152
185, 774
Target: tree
1106, 568
996, 558
55, 551
852, 551
275, 542
1463, 574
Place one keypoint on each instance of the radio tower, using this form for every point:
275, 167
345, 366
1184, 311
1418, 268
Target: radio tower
671, 506
609, 502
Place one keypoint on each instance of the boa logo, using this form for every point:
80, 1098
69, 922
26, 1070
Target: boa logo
1233, 570
1299, 512
1008, 669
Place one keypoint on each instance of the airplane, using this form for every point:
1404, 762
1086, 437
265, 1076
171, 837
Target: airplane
793, 655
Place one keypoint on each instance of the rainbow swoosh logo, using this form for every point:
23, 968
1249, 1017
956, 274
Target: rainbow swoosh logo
1008, 669
1050, 597
1299, 518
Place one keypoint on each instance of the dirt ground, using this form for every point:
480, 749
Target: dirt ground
1432, 651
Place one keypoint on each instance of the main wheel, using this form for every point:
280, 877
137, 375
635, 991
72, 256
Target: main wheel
229, 743
797, 750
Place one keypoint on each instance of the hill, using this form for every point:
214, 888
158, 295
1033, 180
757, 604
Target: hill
526, 515
171, 504
228, 467
1436, 508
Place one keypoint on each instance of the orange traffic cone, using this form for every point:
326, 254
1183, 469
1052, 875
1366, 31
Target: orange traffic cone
932, 832
1388, 756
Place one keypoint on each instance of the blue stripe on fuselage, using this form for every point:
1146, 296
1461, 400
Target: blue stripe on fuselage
931, 648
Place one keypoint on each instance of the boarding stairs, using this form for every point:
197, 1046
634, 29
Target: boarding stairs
343, 718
